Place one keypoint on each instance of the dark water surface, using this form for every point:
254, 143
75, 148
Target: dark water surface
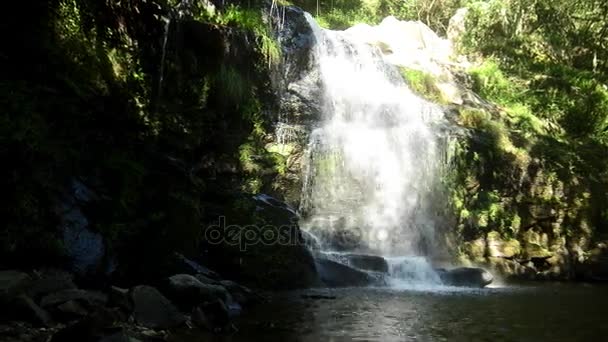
544, 312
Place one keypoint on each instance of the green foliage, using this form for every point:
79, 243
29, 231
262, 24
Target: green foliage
342, 14
235, 87
95, 110
249, 19
550, 63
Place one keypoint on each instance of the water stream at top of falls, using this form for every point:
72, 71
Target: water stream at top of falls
373, 159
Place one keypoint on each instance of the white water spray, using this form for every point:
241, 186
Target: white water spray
373, 159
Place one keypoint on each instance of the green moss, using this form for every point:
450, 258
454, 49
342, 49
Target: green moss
423, 84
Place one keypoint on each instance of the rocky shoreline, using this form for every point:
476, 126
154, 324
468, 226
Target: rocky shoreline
48, 305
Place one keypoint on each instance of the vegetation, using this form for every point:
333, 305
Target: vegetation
341, 14
112, 95
423, 84
547, 131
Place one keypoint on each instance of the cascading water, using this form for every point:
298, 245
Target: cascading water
372, 160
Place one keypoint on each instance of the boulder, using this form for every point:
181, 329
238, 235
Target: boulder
71, 309
50, 281
13, 283
90, 328
465, 276
205, 279
26, 309
335, 274
119, 298
406, 43
457, 26
179, 264
152, 310
88, 298
212, 316
240, 294
187, 291
340, 237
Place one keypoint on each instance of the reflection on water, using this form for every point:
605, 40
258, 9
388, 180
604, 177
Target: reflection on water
556, 312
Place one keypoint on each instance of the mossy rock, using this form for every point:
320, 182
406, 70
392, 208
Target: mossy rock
532, 250
501, 247
475, 250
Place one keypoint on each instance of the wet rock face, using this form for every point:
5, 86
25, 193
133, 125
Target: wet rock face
364, 262
256, 240
85, 248
368, 262
335, 274
300, 82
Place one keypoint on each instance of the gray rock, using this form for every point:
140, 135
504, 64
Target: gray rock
152, 310
187, 291
85, 248
90, 298
119, 297
13, 283
300, 84
465, 276
335, 274
50, 281
72, 309
183, 265
241, 294
212, 316
26, 309
206, 280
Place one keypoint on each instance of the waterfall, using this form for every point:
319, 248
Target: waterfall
373, 158
163, 56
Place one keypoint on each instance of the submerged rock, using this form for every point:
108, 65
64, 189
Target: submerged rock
465, 276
